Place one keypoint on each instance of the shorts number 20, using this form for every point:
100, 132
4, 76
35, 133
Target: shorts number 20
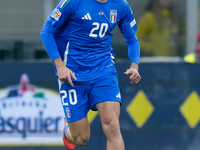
71, 93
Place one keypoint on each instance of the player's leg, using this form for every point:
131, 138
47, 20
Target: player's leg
75, 106
105, 96
109, 113
78, 132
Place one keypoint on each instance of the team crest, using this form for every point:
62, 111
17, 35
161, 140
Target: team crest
56, 14
68, 113
113, 16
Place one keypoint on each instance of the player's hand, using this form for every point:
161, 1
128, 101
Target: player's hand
134, 74
64, 73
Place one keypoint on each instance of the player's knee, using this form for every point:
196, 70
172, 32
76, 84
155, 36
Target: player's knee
81, 140
111, 128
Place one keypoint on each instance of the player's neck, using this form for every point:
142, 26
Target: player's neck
102, 1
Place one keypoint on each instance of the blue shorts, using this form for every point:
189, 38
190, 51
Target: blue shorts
78, 100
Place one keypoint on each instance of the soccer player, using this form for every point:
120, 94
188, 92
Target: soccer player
77, 36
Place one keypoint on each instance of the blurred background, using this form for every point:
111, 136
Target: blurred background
162, 112
173, 24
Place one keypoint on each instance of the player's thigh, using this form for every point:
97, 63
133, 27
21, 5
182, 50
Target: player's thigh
108, 111
80, 128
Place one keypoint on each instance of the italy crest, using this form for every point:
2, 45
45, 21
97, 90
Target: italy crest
113, 16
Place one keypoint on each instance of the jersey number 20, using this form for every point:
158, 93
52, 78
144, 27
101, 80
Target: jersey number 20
71, 93
103, 29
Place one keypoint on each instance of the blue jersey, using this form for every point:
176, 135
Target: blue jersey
80, 32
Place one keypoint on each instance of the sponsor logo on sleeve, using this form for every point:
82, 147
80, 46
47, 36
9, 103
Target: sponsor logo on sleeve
133, 23
56, 14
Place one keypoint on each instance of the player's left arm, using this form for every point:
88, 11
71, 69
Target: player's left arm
134, 56
128, 27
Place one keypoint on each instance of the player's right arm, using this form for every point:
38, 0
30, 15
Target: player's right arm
64, 74
59, 15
